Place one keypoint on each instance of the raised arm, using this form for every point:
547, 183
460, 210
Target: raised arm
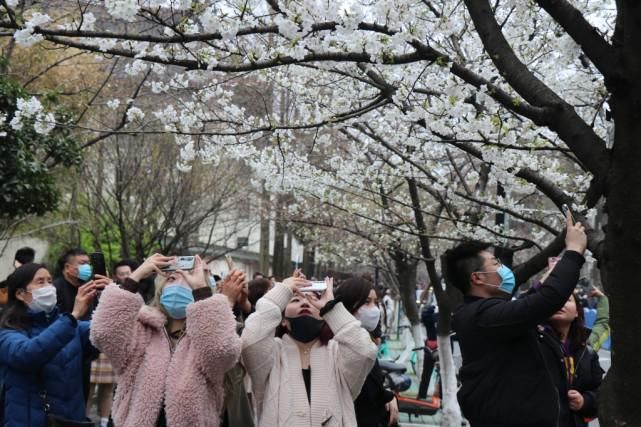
514, 317
355, 351
113, 323
22, 352
258, 342
18, 351
601, 328
212, 329
352, 346
116, 315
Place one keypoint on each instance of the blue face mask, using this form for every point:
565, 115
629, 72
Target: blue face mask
175, 298
508, 281
84, 272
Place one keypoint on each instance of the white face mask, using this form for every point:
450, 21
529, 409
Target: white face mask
44, 299
369, 317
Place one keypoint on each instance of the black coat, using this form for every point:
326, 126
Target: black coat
370, 403
505, 380
586, 379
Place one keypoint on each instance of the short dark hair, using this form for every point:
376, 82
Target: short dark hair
256, 274
462, 261
256, 289
66, 256
353, 293
125, 263
25, 255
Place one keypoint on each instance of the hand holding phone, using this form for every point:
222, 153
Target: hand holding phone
319, 300
567, 212
575, 237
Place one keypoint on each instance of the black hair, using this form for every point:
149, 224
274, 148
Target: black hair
25, 255
65, 257
256, 289
125, 263
353, 293
578, 334
462, 261
15, 313
256, 274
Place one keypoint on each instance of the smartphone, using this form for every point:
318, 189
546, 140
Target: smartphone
566, 209
97, 260
182, 263
315, 287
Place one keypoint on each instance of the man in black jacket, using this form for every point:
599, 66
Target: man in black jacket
505, 380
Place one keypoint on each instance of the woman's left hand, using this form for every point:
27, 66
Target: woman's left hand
575, 400
392, 408
327, 296
196, 277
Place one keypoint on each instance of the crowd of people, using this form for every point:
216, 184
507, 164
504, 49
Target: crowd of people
156, 346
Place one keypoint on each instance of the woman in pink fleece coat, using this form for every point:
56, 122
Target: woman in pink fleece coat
171, 357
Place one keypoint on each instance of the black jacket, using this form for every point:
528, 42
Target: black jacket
586, 379
370, 403
505, 381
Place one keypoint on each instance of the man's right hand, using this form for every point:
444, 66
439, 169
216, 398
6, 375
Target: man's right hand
152, 264
575, 237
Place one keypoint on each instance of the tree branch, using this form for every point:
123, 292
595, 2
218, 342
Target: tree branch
595, 47
564, 120
524, 271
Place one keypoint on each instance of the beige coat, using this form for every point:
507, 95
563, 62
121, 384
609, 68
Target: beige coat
338, 369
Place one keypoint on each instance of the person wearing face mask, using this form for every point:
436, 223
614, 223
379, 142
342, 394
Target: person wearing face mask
171, 356
42, 350
310, 373
505, 379
574, 365
74, 272
375, 406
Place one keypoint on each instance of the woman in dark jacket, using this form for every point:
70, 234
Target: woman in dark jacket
41, 350
573, 365
375, 406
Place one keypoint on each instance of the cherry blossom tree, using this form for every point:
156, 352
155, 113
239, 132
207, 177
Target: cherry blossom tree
533, 104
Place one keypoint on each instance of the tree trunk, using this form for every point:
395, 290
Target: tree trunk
263, 257
406, 272
279, 240
622, 387
451, 413
309, 260
287, 255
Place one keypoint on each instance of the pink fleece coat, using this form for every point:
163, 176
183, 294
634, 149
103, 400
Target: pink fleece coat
189, 381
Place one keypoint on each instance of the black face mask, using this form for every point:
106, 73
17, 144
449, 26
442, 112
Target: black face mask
304, 328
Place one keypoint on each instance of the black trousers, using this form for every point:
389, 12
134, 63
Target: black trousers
426, 375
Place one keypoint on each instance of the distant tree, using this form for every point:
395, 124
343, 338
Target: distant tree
33, 140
